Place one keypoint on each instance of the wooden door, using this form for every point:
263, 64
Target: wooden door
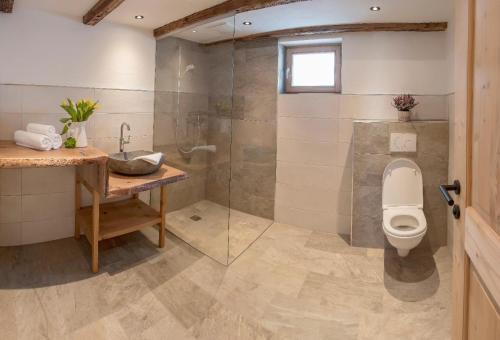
476, 163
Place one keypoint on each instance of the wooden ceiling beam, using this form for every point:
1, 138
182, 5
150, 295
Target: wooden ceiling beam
101, 9
346, 28
225, 8
6, 6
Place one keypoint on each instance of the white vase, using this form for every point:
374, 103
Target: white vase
404, 116
79, 133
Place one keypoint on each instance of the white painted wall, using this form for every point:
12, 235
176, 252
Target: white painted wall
43, 48
394, 62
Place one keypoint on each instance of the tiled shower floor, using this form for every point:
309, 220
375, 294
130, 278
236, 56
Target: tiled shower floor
217, 231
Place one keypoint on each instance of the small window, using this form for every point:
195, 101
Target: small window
313, 68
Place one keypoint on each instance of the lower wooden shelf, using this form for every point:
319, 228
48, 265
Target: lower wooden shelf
119, 218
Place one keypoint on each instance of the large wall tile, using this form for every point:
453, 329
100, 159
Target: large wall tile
46, 99
345, 130
247, 132
306, 198
379, 107
308, 129
309, 176
10, 234
164, 129
45, 118
314, 162
343, 224
314, 220
9, 123
251, 204
313, 105
10, 99
47, 230
125, 101
294, 151
366, 107
47, 206
10, 182
371, 138
255, 107
48, 180
166, 102
10, 209
108, 125
343, 158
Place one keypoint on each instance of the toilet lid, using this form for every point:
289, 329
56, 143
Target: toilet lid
402, 184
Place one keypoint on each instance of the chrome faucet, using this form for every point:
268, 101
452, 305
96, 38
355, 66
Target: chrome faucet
122, 140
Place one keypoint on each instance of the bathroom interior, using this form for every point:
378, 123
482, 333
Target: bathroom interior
244, 170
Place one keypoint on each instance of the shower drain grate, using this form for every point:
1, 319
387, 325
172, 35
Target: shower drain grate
195, 218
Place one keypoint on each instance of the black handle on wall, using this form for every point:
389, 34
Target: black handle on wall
450, 187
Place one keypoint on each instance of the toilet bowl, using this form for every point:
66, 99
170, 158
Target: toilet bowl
404, 222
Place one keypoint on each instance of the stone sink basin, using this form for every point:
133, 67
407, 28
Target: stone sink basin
124, 164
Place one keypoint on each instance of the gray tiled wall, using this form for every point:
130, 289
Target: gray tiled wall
371, 155
181, 116
233, 88
253, 149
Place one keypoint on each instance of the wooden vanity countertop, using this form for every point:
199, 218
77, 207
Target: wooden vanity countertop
14, 156
119, 185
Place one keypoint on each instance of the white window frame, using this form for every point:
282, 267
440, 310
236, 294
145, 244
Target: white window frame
291, 50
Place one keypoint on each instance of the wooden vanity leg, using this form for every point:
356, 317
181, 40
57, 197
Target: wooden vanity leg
95, 231
163, 211
78, 190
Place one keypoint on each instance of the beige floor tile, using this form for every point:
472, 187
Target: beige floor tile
291, 283
223, 324
433, 324
352, 294
333, 243
295, 319
137, 317
107, 328
167, 328
188, 302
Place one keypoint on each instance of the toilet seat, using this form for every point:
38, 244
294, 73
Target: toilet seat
406, 221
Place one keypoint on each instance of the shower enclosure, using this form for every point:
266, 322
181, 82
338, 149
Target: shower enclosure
215, 118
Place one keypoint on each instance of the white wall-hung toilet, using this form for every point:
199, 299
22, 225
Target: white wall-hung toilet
404, 221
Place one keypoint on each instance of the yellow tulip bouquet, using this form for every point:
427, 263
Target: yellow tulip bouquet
78, 112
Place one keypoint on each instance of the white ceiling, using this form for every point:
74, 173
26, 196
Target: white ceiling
308, 13
156, 12
322, 12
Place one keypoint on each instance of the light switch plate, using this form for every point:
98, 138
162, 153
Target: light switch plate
403, 142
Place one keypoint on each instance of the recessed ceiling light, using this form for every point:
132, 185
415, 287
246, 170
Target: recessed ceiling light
375, 8
247, 23
139, 17
194, 31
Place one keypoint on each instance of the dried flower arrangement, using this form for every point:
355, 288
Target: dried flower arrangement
404, 104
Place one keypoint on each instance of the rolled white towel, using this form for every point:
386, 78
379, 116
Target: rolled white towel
47, 130
56, 140
153, 158
32, 140
42, 129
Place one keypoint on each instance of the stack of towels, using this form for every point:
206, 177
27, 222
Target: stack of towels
39, 137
